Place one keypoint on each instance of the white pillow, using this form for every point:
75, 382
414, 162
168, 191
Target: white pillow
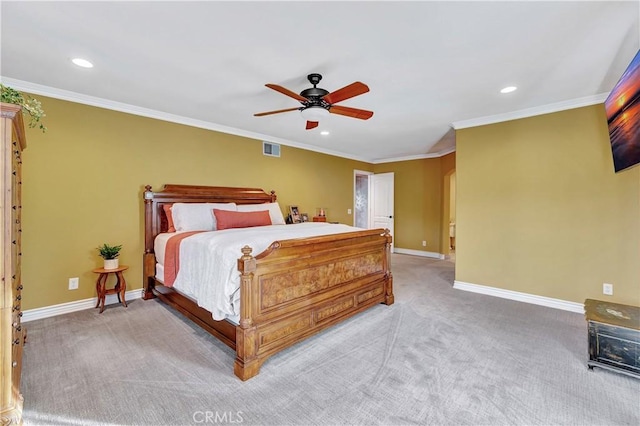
274, 211
197, 216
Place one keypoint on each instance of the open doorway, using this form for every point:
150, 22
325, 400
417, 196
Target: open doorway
449, 216
374, 201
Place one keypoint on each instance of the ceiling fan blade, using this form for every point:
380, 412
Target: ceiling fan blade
312, 125
354, 89
351, 112
287, 92
260, 114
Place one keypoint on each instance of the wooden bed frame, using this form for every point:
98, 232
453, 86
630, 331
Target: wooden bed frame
290, 291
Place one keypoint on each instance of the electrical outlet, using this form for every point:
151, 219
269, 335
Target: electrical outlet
348, 211
73, 283
424, 244
607, 289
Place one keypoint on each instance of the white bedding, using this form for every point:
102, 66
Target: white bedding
211, 258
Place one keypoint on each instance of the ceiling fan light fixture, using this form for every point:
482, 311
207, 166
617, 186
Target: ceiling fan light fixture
314, 113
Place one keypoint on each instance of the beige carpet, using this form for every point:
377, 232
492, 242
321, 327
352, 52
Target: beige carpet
437, 356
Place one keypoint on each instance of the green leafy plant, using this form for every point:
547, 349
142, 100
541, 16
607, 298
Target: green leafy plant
31, 106
108, 252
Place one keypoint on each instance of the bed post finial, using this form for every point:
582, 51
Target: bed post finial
246, 251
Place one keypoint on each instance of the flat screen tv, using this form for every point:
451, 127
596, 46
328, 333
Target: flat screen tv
623, 115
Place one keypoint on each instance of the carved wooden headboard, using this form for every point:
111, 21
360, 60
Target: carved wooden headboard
155, 219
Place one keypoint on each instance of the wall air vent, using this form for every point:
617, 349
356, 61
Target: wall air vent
270, 149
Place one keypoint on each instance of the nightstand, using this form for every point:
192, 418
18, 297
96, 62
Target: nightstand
119, 289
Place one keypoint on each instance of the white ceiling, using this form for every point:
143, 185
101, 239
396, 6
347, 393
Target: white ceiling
429, 65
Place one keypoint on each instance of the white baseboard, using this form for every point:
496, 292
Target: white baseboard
79, 305
521, 297
418, 253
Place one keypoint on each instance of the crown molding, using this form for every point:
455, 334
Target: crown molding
67, 95
531, 112
407, 158
415, 157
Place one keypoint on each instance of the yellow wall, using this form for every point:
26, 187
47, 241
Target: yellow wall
83, 183
419, 201
541, 211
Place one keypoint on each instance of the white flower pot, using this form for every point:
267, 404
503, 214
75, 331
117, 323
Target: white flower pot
111, 264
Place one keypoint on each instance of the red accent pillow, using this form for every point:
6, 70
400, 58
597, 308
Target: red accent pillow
167, 211
229, 219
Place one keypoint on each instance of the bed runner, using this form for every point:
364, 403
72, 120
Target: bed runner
172, 256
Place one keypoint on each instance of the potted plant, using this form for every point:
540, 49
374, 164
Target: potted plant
110, 255
31, 106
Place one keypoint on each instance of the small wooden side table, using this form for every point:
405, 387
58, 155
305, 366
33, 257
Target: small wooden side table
119, 289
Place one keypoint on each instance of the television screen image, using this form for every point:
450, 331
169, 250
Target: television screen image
623, 115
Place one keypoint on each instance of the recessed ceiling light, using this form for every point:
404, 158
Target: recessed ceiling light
324, 133
509, 89
82, 63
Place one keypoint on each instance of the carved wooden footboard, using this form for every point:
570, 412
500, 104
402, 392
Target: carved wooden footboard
290, 291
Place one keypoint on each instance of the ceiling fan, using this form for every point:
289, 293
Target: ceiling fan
318, 103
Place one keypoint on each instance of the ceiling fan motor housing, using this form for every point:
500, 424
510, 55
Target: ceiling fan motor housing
314, 94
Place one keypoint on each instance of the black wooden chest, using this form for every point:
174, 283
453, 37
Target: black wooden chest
614, 336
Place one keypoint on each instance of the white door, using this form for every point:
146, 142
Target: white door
382, 202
